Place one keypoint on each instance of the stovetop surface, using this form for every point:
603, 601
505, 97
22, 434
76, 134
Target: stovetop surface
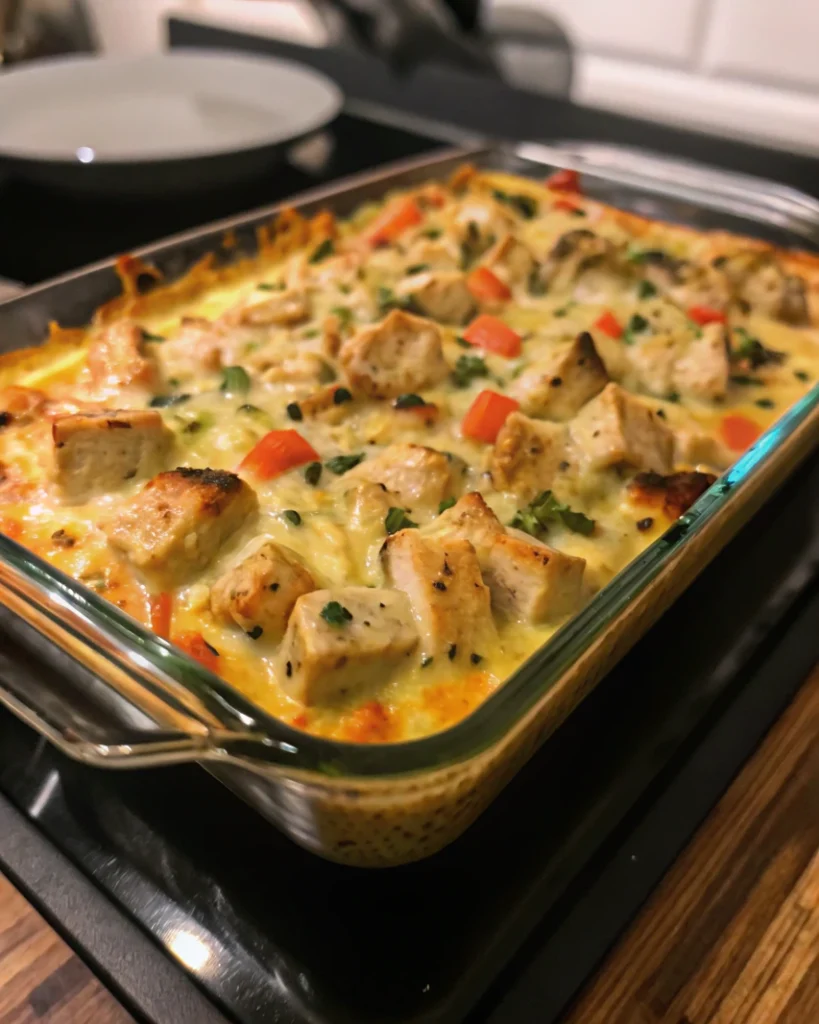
271, 933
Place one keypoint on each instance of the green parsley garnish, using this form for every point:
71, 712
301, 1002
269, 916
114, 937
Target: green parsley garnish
636, 325
417, 268
765, 403
445, 504
526, 206
467, 369
164, 401
255, 633
426, 661
147, 336
646, 290
342, 395
293, 410
546, 510
322, 251
312, 473
267, 286
397, 519
234, 379
744, 379
344, 314
535, 285
292, 516
753, 352
801, 375
340, 464
335, 614
432, 233
408, 401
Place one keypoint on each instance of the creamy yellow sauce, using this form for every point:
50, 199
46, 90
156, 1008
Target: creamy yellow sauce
216, 429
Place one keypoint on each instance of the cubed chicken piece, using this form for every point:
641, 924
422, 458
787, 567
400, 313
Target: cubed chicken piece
331, 404
480, 221
196, 347
571, 255
178, 521
450, 602
99, 452
339, 642
367, 507
511, 260
416, 475
402, 353
693, 447
531, 582
704, 368
758, 280
259, 592
528, 455
555, 388
617, 428
652, 361
685, 283
442, 295
433, 254
470, 518
294, 368
285, 307
119, 356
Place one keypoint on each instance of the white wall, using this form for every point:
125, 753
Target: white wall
743, 67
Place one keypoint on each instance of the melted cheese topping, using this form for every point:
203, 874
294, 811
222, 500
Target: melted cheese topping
289, 362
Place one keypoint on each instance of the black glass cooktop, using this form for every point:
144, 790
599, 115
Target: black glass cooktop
193, 909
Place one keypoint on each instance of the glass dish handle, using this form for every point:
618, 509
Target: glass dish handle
743, 194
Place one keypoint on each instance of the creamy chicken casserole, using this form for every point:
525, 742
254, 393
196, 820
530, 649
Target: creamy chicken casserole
364, 475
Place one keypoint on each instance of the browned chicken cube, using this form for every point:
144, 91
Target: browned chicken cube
276, 308
449, 599
258, 594
416, 475
120, 356
511, 260
617, 428
704, 369
402, 353
442, 295
179, 520
341, 641
531, 582
528, 455
99, 452
558, 386
470, 518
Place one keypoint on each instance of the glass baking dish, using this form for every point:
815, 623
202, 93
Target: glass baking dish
123, 698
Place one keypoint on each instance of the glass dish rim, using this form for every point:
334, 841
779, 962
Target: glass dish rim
271, 739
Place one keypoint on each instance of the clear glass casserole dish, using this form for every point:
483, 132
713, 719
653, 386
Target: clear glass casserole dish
127, 698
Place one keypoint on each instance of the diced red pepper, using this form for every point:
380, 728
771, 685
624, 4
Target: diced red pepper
487, 415
487, 287
566, 206
277, 452
197, 647
161, 608
609, 324
494, 335
564, 181
396, 218
703, 315
739, 432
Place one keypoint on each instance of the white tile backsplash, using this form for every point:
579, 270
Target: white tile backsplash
665, 30
774, 40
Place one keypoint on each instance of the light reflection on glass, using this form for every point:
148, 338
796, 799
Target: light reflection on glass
85, 154
189, 949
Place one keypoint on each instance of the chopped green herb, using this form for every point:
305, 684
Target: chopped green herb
397, 519
672, 396
765, 403
234, 379
636, 325
476, 659
526, 206
744, 379
345, 289
463, 342
535, 285
147, 336
340, 464
635, 255
322, 251
312, 332
312, 473
432, 233
292, 516
342, 395
801, 375
251, 410
753, 352
267, 286
344, 314
386, 299
293, 410
563, 311
545, 510
326, 373
335, 614
467, 369
471, 246
426, 661
417, 268
445, 504
408, 401
646, 290
255, 633
164, 401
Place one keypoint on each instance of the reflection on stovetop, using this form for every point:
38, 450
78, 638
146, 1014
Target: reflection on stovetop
55, 232
273, 933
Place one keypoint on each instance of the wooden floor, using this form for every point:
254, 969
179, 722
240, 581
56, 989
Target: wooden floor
730, 937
